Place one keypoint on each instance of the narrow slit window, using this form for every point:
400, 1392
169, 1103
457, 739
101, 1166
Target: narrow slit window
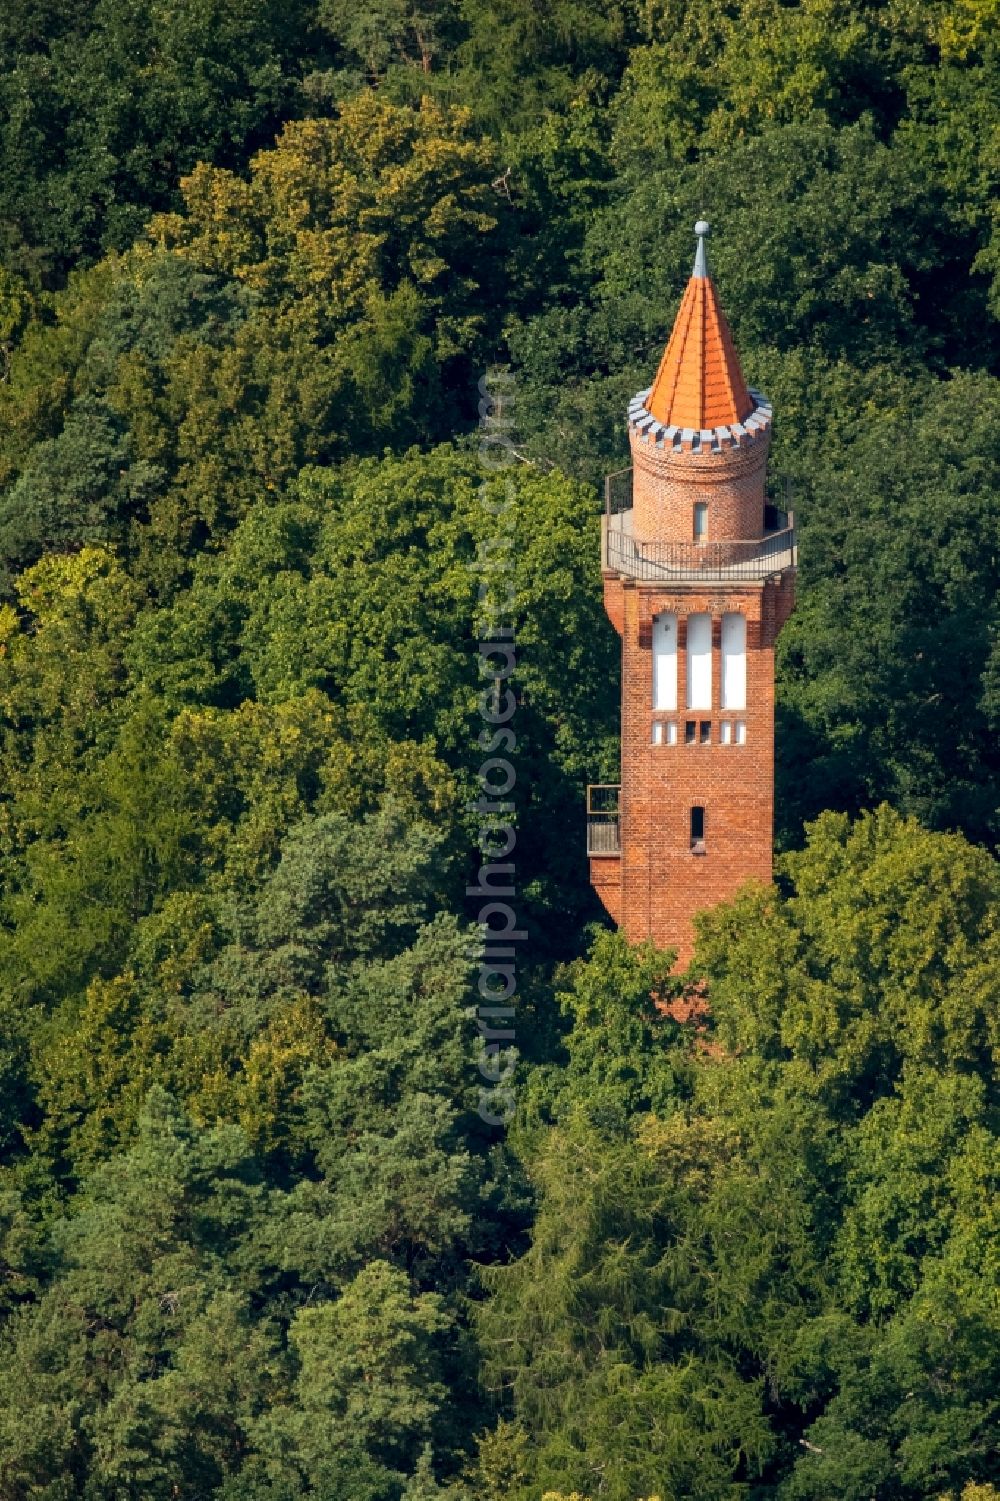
699, 662
690, 733
700, 521
741, 732
672, 733
697, 831
657, 732
705, 732
664, 661
734, 661
726, 732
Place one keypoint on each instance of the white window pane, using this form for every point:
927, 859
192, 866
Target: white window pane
726, 732
699, 662
734, 662
657, 733
664, 661
671, 733
741, 732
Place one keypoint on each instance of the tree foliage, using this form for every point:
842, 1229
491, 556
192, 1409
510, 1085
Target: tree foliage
779, 1267
257, 1241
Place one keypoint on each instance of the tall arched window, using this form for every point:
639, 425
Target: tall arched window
664, 661
699, 661
734, 661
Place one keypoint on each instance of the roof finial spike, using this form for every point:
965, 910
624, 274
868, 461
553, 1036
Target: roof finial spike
701, 260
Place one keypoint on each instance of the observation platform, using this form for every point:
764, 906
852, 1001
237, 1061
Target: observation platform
630, 557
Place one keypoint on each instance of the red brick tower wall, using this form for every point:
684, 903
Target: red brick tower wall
667, 482
661, 882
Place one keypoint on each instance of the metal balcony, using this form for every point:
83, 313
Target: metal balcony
691, 562
604, 819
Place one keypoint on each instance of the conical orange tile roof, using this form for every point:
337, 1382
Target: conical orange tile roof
699, 383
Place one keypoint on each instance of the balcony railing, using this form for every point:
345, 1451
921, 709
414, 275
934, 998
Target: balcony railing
604, 819
618, 492
694, 561
697, 562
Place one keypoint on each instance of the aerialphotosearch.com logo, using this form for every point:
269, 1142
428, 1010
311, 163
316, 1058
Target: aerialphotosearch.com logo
496, 951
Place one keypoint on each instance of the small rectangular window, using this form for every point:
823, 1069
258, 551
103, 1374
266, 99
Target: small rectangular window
690, 732
657, 732
671, 733
741, 732
700, 521
705, 732
726, 732
697, 831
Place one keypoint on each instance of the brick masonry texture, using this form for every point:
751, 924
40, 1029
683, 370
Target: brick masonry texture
660, 883
666, 485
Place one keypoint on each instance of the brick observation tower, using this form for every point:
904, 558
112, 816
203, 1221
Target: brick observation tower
699, 577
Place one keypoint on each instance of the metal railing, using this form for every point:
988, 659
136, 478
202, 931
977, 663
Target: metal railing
618, 492
604, 818
752, 559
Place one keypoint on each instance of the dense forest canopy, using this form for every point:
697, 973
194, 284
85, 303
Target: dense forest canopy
258, 1239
